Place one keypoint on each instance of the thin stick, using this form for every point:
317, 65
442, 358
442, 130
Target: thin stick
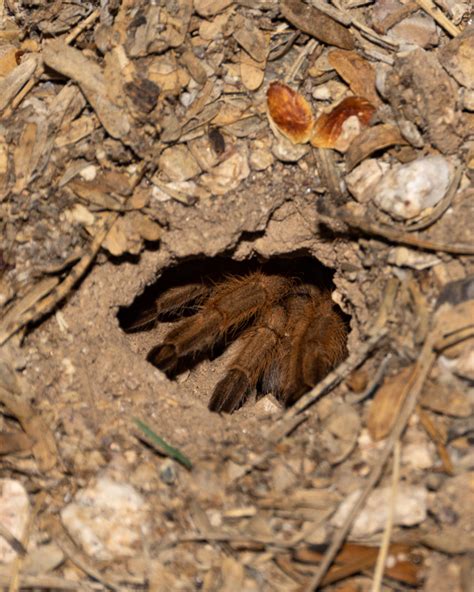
412, 389
403, 238
457, 336
374, 37
81, 26
11, 539
385, 545
438, 16
306, 50
23, 92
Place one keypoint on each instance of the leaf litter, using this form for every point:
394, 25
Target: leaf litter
136, 136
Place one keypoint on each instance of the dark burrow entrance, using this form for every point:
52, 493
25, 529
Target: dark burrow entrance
288, 333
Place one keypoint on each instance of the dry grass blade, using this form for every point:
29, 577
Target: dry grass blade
43, 582
12, 84
384, 547
31, 298
328, 172
75, 556
439, 440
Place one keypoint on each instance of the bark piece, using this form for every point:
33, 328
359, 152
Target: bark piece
317, 24
421, 92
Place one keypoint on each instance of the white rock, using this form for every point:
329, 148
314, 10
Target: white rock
14, 513
108, 519
227, 175
260, 159
418, 456
89, 173
322, 93
410, 509
408, 189
404, 257
285, 151
178, 164
362, 180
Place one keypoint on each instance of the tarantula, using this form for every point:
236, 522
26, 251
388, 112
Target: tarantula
289, 334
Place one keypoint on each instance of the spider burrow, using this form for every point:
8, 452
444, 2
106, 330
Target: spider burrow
289, 334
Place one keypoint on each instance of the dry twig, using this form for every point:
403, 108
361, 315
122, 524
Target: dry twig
403, 238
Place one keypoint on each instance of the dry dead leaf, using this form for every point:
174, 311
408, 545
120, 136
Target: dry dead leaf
28, 152
384, 408
89, 75
251, 71
290, 112
446, 399
357, 72
371, 140
251, 39
194, 67
329, 126
404, 562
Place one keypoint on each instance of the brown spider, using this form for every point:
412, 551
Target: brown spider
289, 332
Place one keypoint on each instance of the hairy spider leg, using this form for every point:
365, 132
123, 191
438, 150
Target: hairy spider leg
234, 301
257, 348
317, 345
173, 300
